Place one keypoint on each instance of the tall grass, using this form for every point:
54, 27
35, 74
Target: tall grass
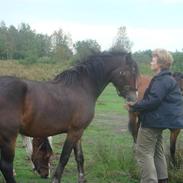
114, 163
38, 71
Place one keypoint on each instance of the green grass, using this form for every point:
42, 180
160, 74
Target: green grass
110, 101
107, 144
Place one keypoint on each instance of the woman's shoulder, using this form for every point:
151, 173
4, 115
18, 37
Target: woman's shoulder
165, 77
166, 81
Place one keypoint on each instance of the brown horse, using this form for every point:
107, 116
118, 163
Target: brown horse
63, 105
143, 83
39, 152
41, 155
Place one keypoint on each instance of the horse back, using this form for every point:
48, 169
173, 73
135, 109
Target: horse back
54, 109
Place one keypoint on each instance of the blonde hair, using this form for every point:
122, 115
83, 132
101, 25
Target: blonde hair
164, 58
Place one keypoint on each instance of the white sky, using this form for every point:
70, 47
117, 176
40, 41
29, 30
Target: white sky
150, 23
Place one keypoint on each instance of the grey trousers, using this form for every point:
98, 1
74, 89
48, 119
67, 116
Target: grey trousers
150, 156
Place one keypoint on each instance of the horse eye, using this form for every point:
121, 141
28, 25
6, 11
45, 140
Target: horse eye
122, 73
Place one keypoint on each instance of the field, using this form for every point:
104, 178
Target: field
107, 144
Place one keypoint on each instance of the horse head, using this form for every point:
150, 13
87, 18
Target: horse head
41, 154
124, 77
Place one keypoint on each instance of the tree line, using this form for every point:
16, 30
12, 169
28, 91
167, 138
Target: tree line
25, 44
144, 58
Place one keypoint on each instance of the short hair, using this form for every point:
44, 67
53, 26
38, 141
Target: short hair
164, 58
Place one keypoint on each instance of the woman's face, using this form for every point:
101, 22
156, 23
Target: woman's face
155, 67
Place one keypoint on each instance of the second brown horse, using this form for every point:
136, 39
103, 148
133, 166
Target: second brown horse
134, 122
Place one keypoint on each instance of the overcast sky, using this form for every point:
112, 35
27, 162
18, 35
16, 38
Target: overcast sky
150, 23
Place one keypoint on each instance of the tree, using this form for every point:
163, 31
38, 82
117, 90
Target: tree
3, 40
178, 61
61, 46
27, 43
143, 57
86, 48
43, 44
122, 42
11, 42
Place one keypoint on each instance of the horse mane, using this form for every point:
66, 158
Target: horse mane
86, 67
82, 67
92, 66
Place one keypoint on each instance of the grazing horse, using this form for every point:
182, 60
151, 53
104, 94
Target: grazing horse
41, 154
63, 105
133, 124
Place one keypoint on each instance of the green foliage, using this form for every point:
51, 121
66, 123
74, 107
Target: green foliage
22, 43
142, 56
3, 38
122, 42
25, 45
143, 59
85, 48
109, 100
115, 159
61, 46
145, 69
178, 62
38, 71
46, 60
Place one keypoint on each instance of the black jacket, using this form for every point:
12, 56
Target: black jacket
162, 104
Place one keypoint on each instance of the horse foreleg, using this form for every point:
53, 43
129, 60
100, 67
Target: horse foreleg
173, 138
78, 152
69, 144
6, 161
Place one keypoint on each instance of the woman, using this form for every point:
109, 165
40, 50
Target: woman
160, 108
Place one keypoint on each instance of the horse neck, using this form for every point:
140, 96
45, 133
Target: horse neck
99, 78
